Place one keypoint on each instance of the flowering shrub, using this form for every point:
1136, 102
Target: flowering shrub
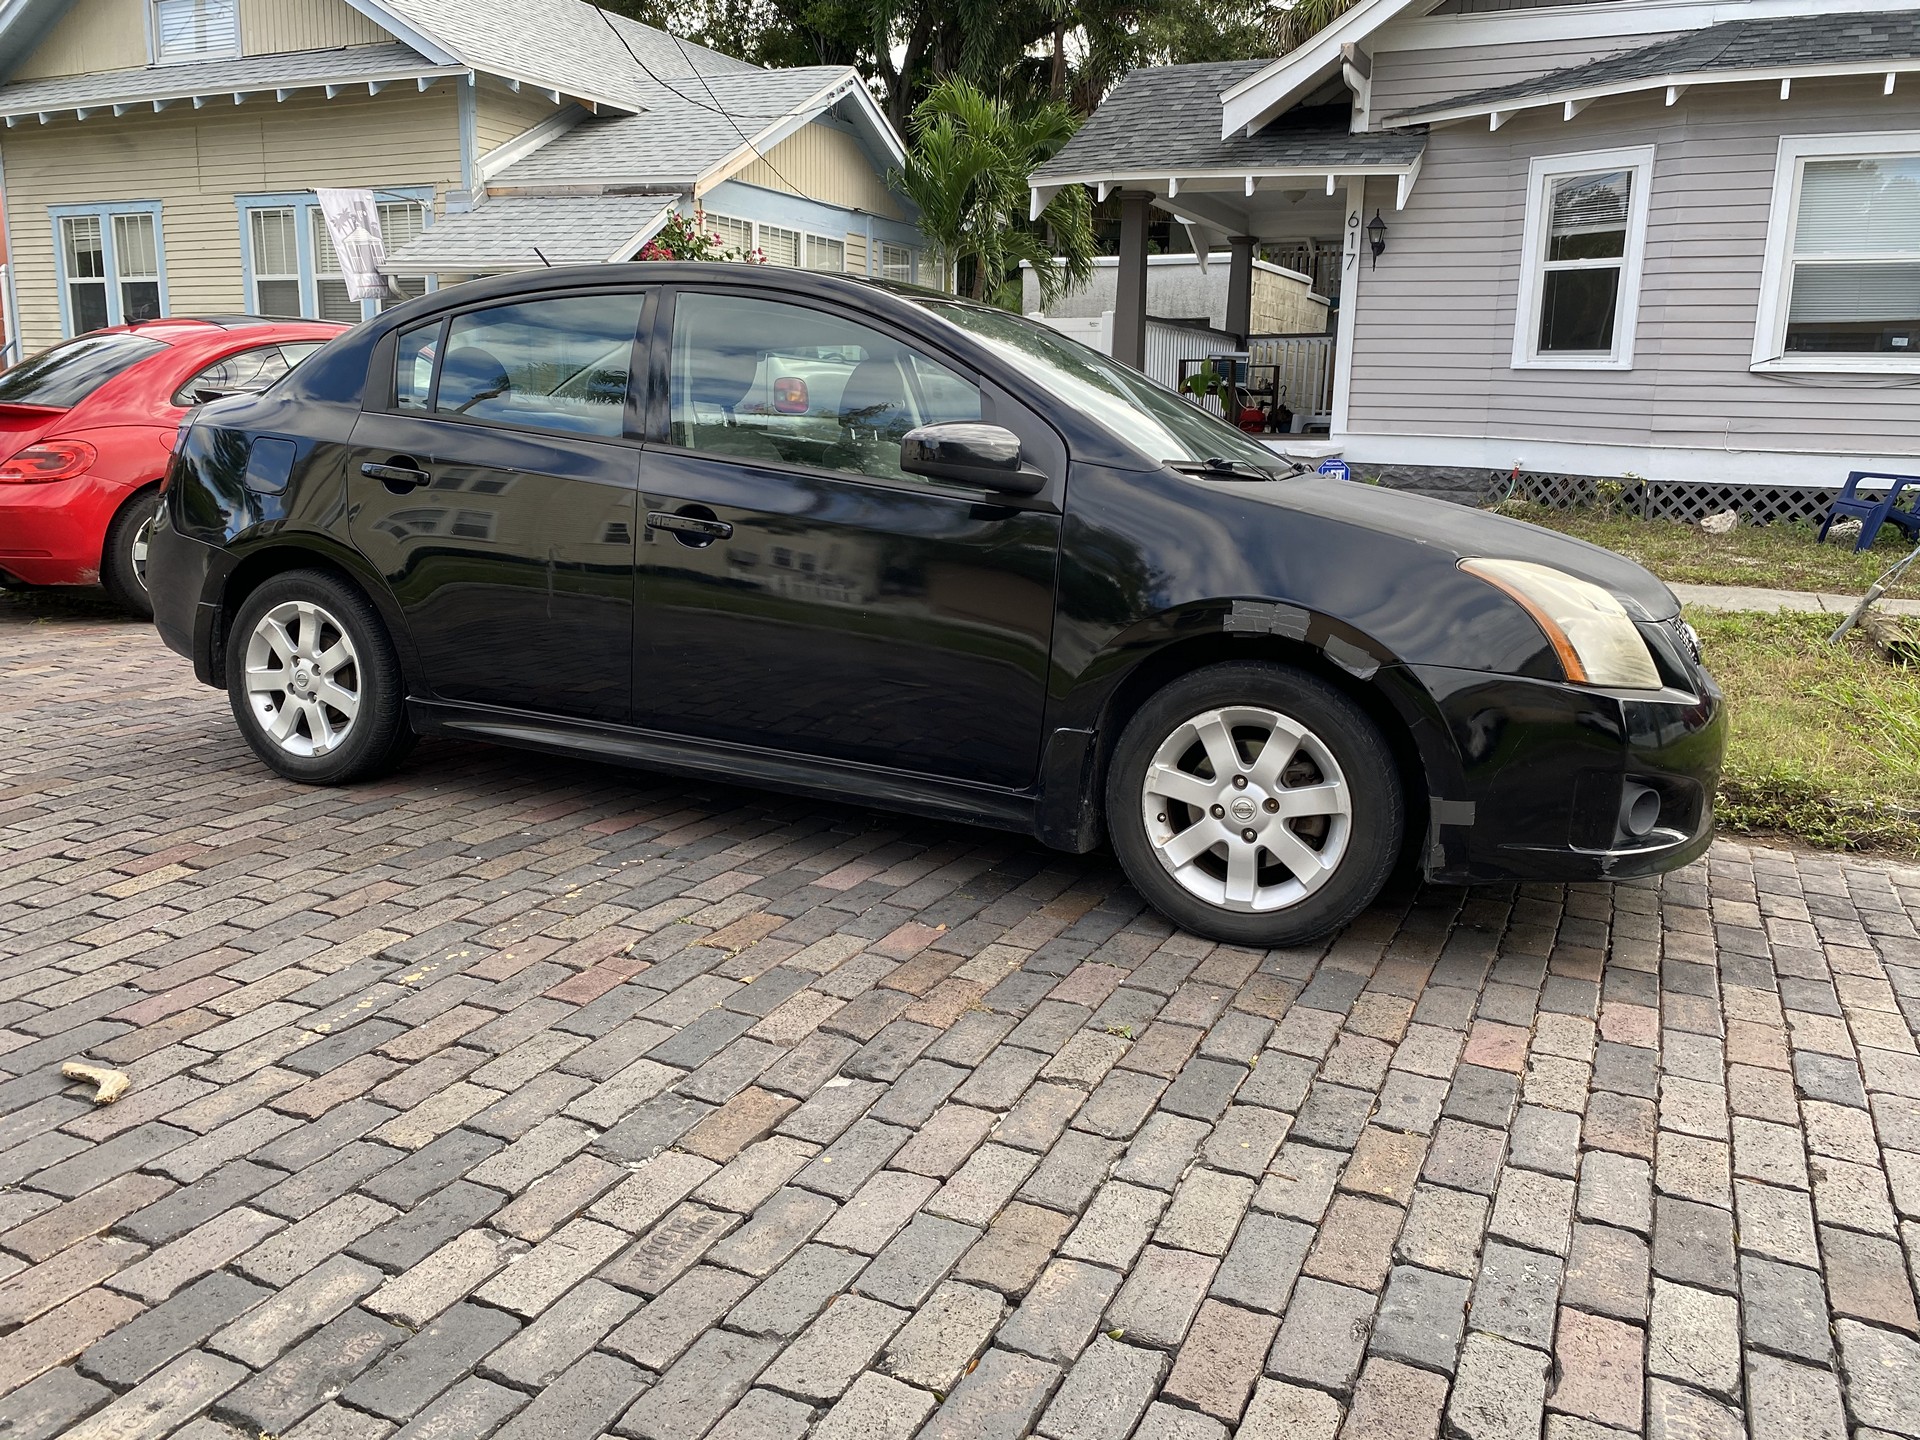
686, 237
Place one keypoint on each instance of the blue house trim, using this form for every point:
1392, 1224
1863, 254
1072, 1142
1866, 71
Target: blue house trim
105, 210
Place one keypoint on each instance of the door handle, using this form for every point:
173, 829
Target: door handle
689, 525
399, 474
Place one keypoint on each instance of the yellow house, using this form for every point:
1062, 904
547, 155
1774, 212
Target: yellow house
160, 156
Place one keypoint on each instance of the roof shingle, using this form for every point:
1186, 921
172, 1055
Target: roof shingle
504, 233
680, 137
1772, 43
214, 77
1166, 120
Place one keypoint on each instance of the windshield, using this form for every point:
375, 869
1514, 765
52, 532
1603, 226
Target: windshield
62, 377
1148, 416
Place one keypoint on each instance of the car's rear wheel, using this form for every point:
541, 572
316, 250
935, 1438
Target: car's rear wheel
1255, 803
314, 681
123, 559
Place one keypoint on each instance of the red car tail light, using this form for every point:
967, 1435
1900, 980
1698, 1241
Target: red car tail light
49, 460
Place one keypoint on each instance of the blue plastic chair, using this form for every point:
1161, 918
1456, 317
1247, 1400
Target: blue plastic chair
1872, 511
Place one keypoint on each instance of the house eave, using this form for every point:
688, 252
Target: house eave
1250, 103
1571, 101
13, 113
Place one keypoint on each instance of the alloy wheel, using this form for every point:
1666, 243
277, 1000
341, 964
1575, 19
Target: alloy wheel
1247, 808
137, 549
303, 678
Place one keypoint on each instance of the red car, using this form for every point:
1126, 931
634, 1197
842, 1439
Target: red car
87, 428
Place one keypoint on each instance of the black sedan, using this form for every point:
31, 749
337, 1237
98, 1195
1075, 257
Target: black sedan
885, 546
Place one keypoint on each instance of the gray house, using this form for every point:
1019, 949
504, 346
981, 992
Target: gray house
1671, 239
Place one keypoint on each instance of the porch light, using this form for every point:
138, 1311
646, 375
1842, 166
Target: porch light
1377, 237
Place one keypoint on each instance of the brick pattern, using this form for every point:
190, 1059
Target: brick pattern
518, 1097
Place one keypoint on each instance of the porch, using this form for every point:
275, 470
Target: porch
1158, 144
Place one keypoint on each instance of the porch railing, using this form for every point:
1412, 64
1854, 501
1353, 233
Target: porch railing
1302, 367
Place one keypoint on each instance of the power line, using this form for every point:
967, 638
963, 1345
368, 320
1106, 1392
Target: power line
714, 108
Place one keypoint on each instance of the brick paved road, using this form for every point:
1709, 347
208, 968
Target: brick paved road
546, 1100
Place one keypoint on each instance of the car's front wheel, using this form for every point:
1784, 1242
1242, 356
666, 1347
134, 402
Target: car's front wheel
314, 681
1255, 803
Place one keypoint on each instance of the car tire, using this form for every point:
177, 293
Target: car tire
314, 681
123, 558
1326, 828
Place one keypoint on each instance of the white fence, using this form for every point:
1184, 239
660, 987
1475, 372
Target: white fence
1167, 344
1303, 371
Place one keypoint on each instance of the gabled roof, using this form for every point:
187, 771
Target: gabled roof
565, 45
1162, 123
521, 232
682, 139
1271, 86
1778, 47
220, 81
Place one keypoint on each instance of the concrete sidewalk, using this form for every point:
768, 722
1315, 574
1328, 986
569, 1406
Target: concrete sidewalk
1773, 602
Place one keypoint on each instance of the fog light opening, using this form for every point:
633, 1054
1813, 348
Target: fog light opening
1639, 810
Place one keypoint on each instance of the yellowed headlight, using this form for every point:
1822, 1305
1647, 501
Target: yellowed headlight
1589, 629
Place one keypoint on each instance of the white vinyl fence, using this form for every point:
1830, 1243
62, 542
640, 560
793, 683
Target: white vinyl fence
1167, 344
1303, 370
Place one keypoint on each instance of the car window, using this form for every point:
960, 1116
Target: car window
1139, 410
762, 380
413, 367
65, 375
253, 369
559, 364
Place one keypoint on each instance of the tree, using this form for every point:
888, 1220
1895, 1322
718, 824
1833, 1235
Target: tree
1295, 24
1020, 50
967, 171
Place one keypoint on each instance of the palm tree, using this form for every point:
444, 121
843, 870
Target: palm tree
1303, 19
967, 172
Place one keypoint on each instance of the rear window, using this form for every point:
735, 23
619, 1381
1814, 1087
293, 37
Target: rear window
65, 375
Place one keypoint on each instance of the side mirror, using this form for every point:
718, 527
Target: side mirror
969, 453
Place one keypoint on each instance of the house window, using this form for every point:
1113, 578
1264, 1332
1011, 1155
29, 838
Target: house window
1585, 233
781, 247
195, 30
736, 236
776, 244
276, 263
295, 270
896, 263
1842, 283
110, 266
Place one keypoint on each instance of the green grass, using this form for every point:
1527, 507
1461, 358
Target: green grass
1825, 741
1776, 557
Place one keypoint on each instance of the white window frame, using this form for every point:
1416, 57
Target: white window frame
1541, 173
1776, 275
801, 241
909, 266
228, 51
306, 209
115, 279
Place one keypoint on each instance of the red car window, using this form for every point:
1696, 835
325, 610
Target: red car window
62, 377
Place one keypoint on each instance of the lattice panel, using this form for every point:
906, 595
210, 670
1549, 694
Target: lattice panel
1683, 501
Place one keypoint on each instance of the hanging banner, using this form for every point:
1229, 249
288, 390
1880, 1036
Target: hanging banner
353, 224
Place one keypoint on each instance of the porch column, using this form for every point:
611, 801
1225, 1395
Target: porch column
1240, 288
1130, 281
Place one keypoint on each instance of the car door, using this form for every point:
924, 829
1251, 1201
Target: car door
800, 592
492, 481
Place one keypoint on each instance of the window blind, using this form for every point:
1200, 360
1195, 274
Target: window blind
1585, 204
1883, 293
1859, 207
195, 29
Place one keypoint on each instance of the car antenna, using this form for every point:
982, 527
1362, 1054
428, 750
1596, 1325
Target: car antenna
543, 259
